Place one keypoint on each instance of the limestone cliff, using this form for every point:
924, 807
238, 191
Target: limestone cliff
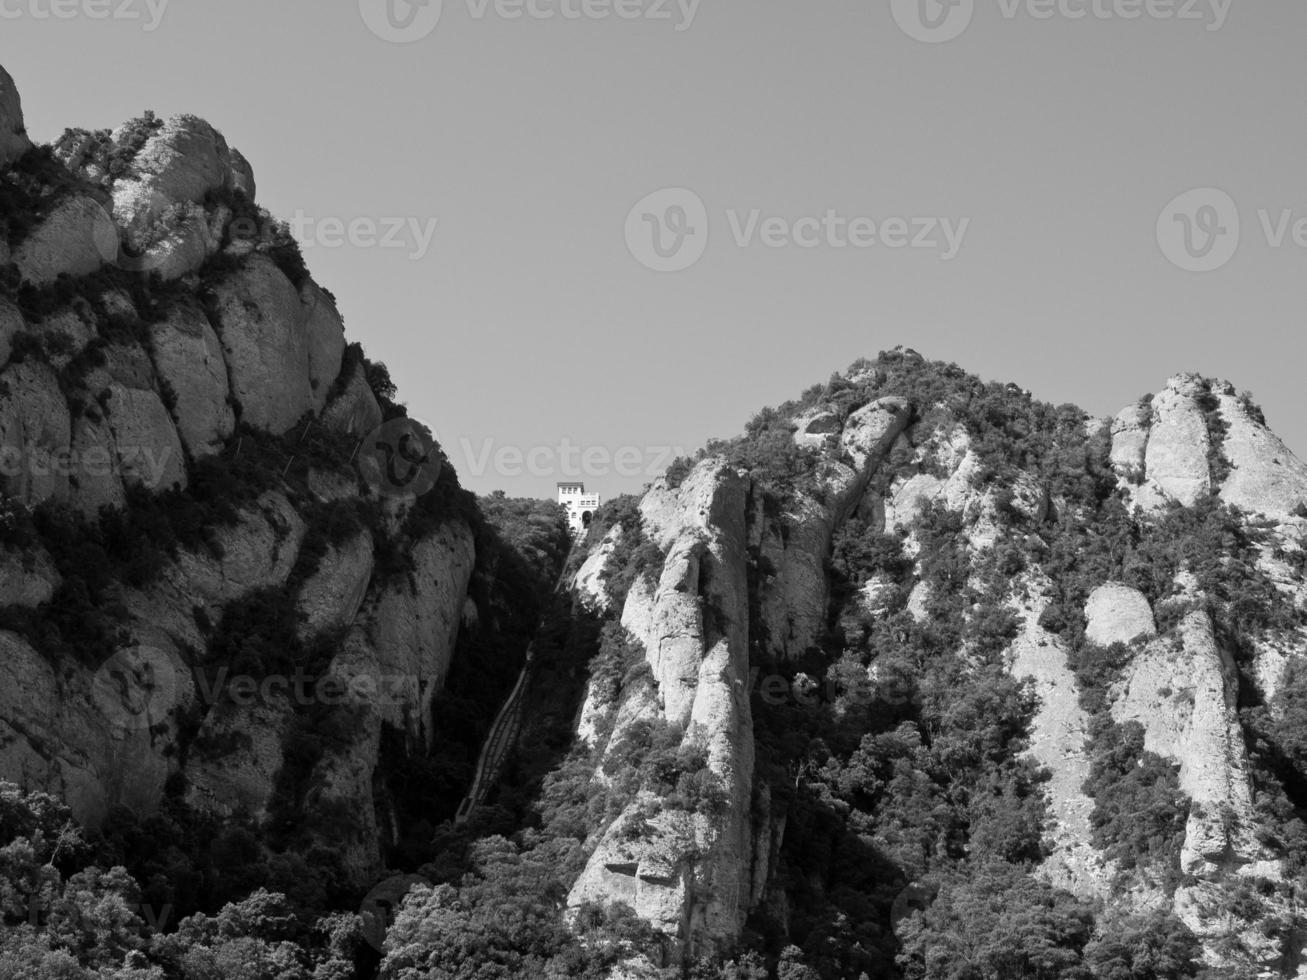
171, 370
904, 506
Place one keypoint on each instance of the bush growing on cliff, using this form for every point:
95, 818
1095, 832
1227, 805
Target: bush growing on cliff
1139, 811
634, 556
997, 924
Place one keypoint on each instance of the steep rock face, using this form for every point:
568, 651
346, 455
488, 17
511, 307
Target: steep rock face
261, 326
11, 323
13, 134
797, 543
130, 386
1176, 458
332, 597
405, 637
34, 434
95, 740
188, 357
694, 879
1130, 442
392, 663
690, 876
588, 581
325, 331
1266, 477
222, 780
354, 409
1058, 742
1165, 452
1181, 689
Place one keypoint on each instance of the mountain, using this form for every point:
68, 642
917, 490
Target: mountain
918, 677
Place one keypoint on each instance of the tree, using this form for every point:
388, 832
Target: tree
1144, 947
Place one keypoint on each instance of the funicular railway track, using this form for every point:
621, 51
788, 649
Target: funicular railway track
503, 733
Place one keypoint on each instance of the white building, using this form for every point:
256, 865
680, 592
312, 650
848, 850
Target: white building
581, 506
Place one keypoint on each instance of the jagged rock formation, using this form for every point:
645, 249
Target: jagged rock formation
909, 627
13, 134
112, 385
744, 573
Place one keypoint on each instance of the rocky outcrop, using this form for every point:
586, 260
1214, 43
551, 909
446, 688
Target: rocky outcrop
688, 875
797, 543
354, 409
180, 163
588, 581
189, 360
13, 134
1058, 742
1182, 689
121, 388
1266, 477
34, 434
325, 331
331, 598
260, 324
405, 640
1175, 461
1164, 451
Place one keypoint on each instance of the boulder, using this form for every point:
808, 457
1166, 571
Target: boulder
1117, 613
75, 239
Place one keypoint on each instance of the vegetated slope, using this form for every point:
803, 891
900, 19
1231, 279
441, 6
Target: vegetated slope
923, 677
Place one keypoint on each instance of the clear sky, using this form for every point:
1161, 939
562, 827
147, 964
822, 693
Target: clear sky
1051, 146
